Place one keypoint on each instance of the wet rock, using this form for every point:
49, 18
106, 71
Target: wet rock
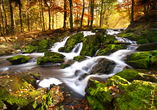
19, 59
80, 58
104, 66
142, 60
61, 49
139, 60
50, 57
91, 44
148, 47
108, 49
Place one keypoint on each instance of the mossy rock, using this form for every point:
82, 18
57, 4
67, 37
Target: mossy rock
117, 80
148, 47
79, 58
91, 44
139, 94
109, 39
98, 95
110, 49
30, 49
61, 49
131, 75
72, 41
142, 41
64, 65
53, 55
16, 93
49, 59
139, 60
43, 45
19, 59
103, 66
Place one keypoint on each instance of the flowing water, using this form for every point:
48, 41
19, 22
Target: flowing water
72, 75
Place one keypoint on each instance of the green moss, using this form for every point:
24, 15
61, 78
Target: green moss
110, 49
139, 59
48, 59
139, 94
142, 41
129, 74
43, 45
19, 59
30, 49
72, 41
91, 44
79, 58
117, 80
53, 55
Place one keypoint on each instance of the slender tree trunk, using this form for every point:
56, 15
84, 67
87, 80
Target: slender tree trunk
1, 9
49, 18
42, 16
101, 13
56, 21
20, 14
12, 18
6, 24
132, 13
82, 13
71, 14
92, 13
53, 21
65, 14
28, 19
88, 16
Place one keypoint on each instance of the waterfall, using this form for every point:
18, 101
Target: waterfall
74, 75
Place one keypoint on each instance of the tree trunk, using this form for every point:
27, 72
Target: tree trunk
82, 13
42, 16
53, 21
65, 14
28, 19
20, 14
88, 15
71, 14
92, 13
12, 19
6, 23
101, 13
132, 13
49, 18
1, 9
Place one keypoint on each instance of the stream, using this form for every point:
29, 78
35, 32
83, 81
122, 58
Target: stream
52, 74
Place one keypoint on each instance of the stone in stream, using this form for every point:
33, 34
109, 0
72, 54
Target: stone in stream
104, 66
19, 59
148, 47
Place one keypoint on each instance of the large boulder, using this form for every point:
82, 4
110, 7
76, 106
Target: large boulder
143, 60
91, 44
148, 47
103, 66
119, 94
139, 60
17, 93
72, 41
19, 59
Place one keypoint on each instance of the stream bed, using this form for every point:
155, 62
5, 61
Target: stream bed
52, 74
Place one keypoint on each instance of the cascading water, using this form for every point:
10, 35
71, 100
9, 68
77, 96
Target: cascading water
72, 76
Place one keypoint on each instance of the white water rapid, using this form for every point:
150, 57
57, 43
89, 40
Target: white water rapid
72, 76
